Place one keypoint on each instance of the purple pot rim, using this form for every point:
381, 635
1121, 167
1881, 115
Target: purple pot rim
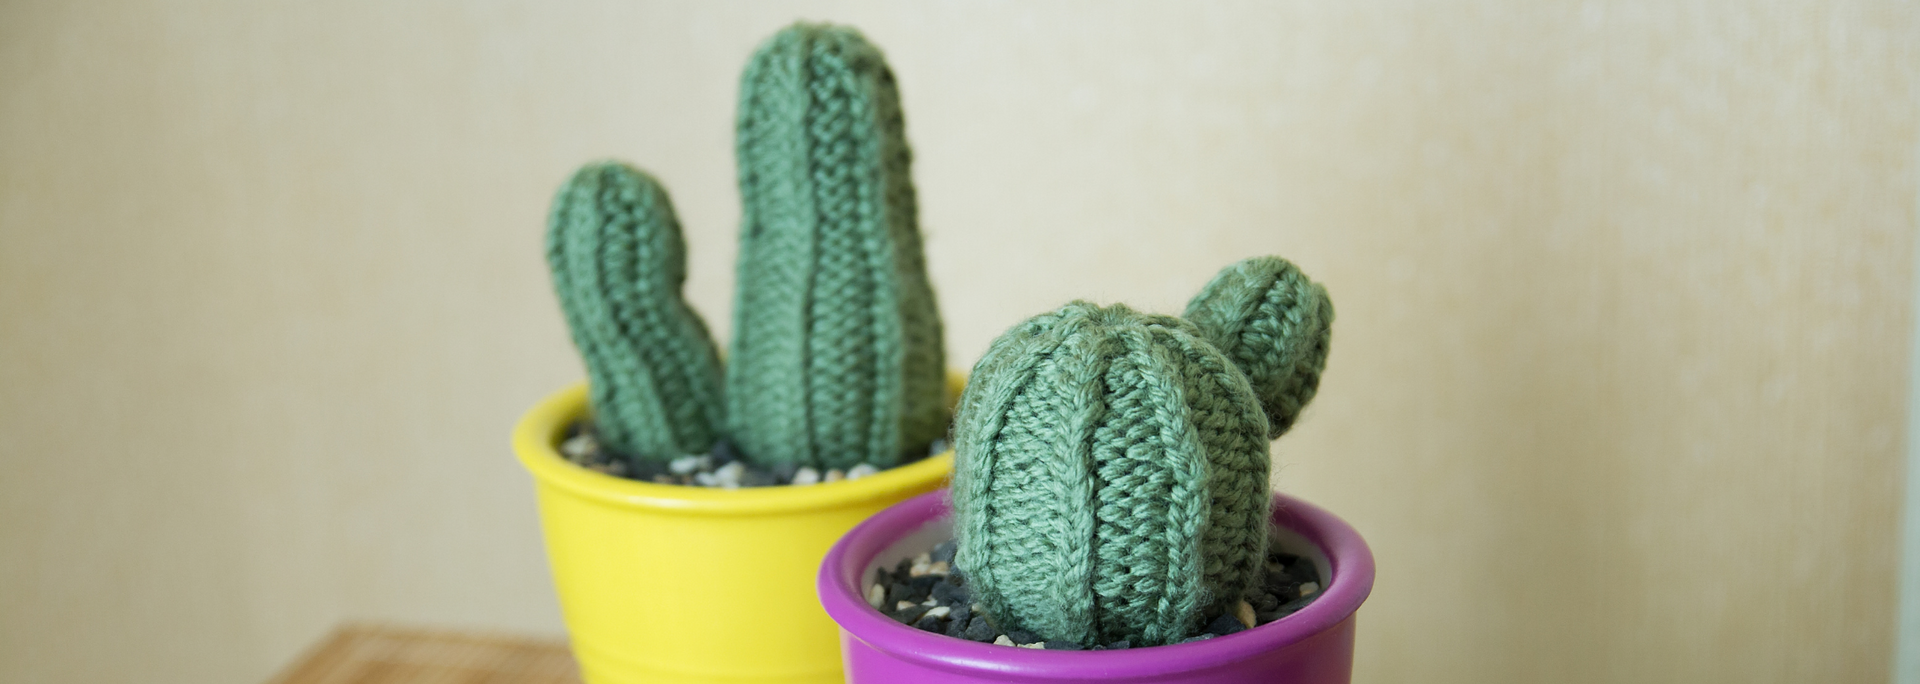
839, 585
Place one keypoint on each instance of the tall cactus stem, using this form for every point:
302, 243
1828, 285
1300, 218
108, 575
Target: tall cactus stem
836, 355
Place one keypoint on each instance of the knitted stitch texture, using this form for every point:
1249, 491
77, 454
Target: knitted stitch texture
836, 354
1111, 479
618, 262
1275, 325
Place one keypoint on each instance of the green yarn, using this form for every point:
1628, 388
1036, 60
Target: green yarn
1275, 325
1111, 479
618, 262
837, 356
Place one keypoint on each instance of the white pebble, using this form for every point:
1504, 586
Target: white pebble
940, 611
834, 476
1309, 588
1244, 612
861, 471
806, 476
903, 605
940, 568
919, 569
729, 475
930, 602
705, 479
687, 464
1037, 644
579, 446
1002, 640
876, 595
939, 446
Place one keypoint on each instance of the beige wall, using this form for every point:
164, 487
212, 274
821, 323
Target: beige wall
1619, 376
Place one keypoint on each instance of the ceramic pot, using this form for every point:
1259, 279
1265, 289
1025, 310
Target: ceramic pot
663, 583
1312, 646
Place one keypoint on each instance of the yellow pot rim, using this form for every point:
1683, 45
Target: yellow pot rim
536, 435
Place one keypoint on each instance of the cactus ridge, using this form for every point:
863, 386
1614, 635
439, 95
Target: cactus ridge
618, 262
836, 354
1276, 326
1112, 482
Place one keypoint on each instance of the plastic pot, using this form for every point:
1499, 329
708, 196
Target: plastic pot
1312, 646
663, 583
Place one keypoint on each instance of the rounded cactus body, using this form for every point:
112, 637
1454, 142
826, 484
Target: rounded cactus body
1112, 477
618, 262
1276, 325
837, 354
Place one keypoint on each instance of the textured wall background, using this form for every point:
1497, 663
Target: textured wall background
1618, 377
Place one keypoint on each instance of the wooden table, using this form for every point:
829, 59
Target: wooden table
367, 654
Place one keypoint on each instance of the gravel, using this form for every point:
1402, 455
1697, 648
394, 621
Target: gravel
926, 592
719, 468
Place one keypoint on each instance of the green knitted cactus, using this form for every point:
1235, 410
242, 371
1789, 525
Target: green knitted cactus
618, 261
836, 356
1111, 480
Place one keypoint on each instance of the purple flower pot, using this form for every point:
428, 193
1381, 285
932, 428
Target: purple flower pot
1312, 646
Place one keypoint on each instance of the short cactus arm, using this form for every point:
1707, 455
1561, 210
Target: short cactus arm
1276, 325
837, 354
618, 262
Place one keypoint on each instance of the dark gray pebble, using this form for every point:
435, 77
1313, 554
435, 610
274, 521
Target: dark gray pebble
931, 624
911, 614
923, 584
956, 627
1118, 645
960, 613
1224, 625
1202, 637
978, 629
1021, 636
1290, 607
944, 551
723, 453
1062, 646
1264, 602
898, 592
947, 593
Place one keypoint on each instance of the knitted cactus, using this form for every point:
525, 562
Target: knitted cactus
618, 262
1111, 480
836, 356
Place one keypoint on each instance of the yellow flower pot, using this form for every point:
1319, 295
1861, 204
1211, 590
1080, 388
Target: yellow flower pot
661, 583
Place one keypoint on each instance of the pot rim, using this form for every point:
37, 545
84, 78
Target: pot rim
541, 427
1350, 560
